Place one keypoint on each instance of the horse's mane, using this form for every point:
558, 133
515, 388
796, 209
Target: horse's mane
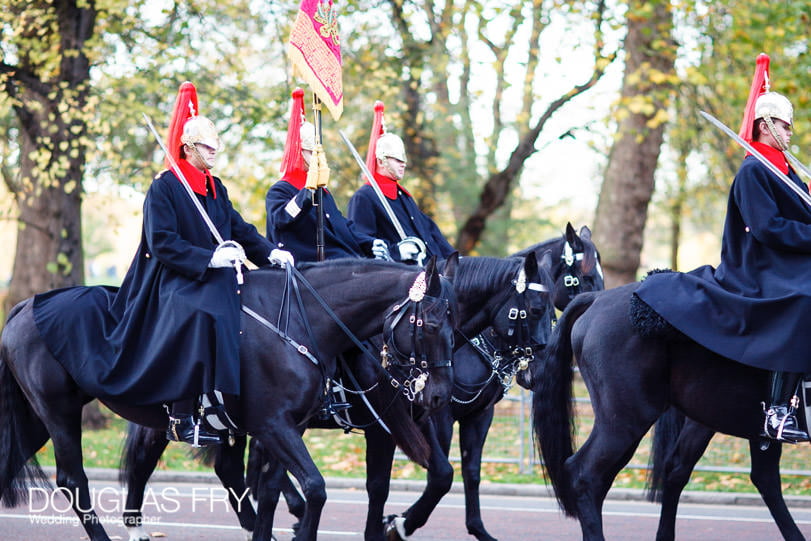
480, 275
541, 247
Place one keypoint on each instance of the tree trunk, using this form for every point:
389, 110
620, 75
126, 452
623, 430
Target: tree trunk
622, 208
51, 107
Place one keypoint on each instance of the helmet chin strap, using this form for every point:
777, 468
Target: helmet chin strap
204, 161
773, 131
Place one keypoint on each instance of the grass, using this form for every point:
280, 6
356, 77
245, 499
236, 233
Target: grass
343, 455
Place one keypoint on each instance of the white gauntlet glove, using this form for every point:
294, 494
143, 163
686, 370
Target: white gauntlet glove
281, 258
380, 250
412, 249
227, 254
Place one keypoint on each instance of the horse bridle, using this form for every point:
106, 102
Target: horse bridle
518, 348
416, 307
570, 280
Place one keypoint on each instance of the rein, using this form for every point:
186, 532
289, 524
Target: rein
294, 277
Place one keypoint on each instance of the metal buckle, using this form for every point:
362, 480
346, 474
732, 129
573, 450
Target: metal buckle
513, 314
571, 281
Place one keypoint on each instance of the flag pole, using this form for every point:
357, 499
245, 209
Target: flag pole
318, 196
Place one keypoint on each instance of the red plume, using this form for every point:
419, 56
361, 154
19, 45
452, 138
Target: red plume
377, 130
760, 84
186, 106
292, 160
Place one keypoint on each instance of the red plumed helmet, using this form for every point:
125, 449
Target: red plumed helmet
760, 85
292, 159
378, 129
186, 106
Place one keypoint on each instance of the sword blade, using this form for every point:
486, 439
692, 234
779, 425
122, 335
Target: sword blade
375, 186
761, 158
797, 164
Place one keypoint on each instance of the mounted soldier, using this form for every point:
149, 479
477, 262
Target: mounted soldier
171, 332
291, 215
415, 236
754, 306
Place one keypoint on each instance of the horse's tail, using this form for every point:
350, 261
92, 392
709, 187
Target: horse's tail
22, 433
552, 406
665, 436
141, 452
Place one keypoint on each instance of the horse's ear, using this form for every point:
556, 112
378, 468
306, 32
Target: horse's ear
433, 287
585, 233
572, 238
451, 265
531, 265
570, 232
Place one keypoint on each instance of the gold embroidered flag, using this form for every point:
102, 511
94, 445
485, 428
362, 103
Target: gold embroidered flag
315, 52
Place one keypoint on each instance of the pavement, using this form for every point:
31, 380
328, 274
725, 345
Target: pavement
498, 489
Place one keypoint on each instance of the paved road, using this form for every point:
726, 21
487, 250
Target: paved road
197, 511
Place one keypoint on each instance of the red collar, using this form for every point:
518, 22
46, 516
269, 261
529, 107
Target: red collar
772, 154
389, 186
296, 177
196, 178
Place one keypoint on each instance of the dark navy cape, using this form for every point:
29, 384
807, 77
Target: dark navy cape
172, 329
291, 225
754, 308
367, 213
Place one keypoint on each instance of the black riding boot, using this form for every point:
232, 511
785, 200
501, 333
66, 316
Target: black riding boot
183, 427
780, 422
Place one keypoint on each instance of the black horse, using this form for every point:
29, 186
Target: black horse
632, 378
485, 366
487, 290
678, 445
578, 267
38, 399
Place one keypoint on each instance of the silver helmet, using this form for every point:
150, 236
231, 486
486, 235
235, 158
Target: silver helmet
200, 129
390, 145
773, 105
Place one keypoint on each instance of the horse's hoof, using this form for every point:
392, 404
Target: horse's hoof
394, 528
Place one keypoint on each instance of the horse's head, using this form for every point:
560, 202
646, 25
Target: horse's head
522, 324
418, 338
579, 267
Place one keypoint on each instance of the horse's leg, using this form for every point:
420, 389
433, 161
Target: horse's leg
593, 468
379, 458
295, 503
288, 447
268, 481
229, 466
143, 449
765, 476
438, 431
692, 442
472, 435
65, 427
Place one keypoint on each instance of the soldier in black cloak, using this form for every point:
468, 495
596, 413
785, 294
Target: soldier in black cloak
754, 307
291, 215
171, 332
386, 160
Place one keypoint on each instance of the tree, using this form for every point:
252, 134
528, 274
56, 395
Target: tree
45, 73
650, 54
